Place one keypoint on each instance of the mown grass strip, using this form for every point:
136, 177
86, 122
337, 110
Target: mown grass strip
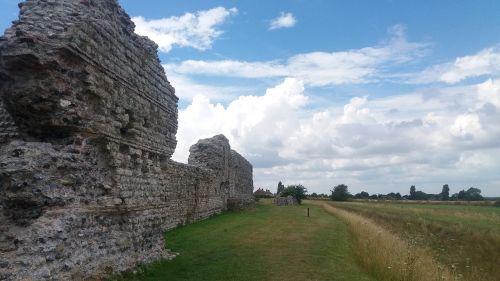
268, 243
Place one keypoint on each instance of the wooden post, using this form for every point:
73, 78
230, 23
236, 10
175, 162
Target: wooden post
307, 211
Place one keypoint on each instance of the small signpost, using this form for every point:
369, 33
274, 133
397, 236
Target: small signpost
307, 211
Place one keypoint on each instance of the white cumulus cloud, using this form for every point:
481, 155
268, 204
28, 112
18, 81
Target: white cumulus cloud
466, 125
195, 30
433, 138
186, 89
253, 124
484, 63
489, 92
318, 68
284, 20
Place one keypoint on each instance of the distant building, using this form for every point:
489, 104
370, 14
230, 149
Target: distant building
261, 193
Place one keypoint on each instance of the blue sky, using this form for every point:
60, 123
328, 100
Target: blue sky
379, 95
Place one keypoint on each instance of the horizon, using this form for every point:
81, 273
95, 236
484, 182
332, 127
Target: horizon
403, 194
378, 96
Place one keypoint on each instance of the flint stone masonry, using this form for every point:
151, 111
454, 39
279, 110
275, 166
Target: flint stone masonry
87, 128
285, 201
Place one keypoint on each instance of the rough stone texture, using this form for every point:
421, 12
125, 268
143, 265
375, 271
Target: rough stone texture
87, 127
241, 177
285, 201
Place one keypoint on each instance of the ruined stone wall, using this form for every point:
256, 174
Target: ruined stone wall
241, 173
234, 170
285, 201
87, 127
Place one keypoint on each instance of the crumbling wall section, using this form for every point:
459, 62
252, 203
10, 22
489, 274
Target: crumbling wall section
78, 66
87, 128
234, 170
241, 177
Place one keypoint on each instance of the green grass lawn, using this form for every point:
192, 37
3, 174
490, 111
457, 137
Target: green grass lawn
268, 243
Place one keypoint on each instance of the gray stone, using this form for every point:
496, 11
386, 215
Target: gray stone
87, 128
285, 201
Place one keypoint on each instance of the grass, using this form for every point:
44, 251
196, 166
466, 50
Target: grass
466, 239
268, 243
385, 255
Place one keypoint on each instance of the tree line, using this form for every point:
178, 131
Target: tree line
341, 193
297, 191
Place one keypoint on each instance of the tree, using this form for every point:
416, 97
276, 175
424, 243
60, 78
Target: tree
280, 188
296, 191
412, 192
362, 195
340, 193
323, 195
394, 196
420, 195
445, 193
473, 194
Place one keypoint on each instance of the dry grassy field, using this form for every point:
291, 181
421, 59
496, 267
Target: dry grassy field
442, 241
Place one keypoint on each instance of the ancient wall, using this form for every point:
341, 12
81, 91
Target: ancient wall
87, 128
285, 201
241, 175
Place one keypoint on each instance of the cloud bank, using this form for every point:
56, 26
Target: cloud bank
485, 62
196, 30
318, 68
449, 136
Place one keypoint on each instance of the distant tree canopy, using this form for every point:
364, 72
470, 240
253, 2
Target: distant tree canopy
412, 192
471, 194
340, 193
420, 195
417, 194
280, 188
297, 191
392, 195
315, 195
445, 192
362, 195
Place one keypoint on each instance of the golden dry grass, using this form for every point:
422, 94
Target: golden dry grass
385, 255
466, 239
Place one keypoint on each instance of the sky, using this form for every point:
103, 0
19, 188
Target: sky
378, 95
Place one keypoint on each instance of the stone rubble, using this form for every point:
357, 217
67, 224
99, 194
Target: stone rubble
87, 128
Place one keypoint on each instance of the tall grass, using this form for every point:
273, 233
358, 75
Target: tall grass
386, 256
464, 239
484, 203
